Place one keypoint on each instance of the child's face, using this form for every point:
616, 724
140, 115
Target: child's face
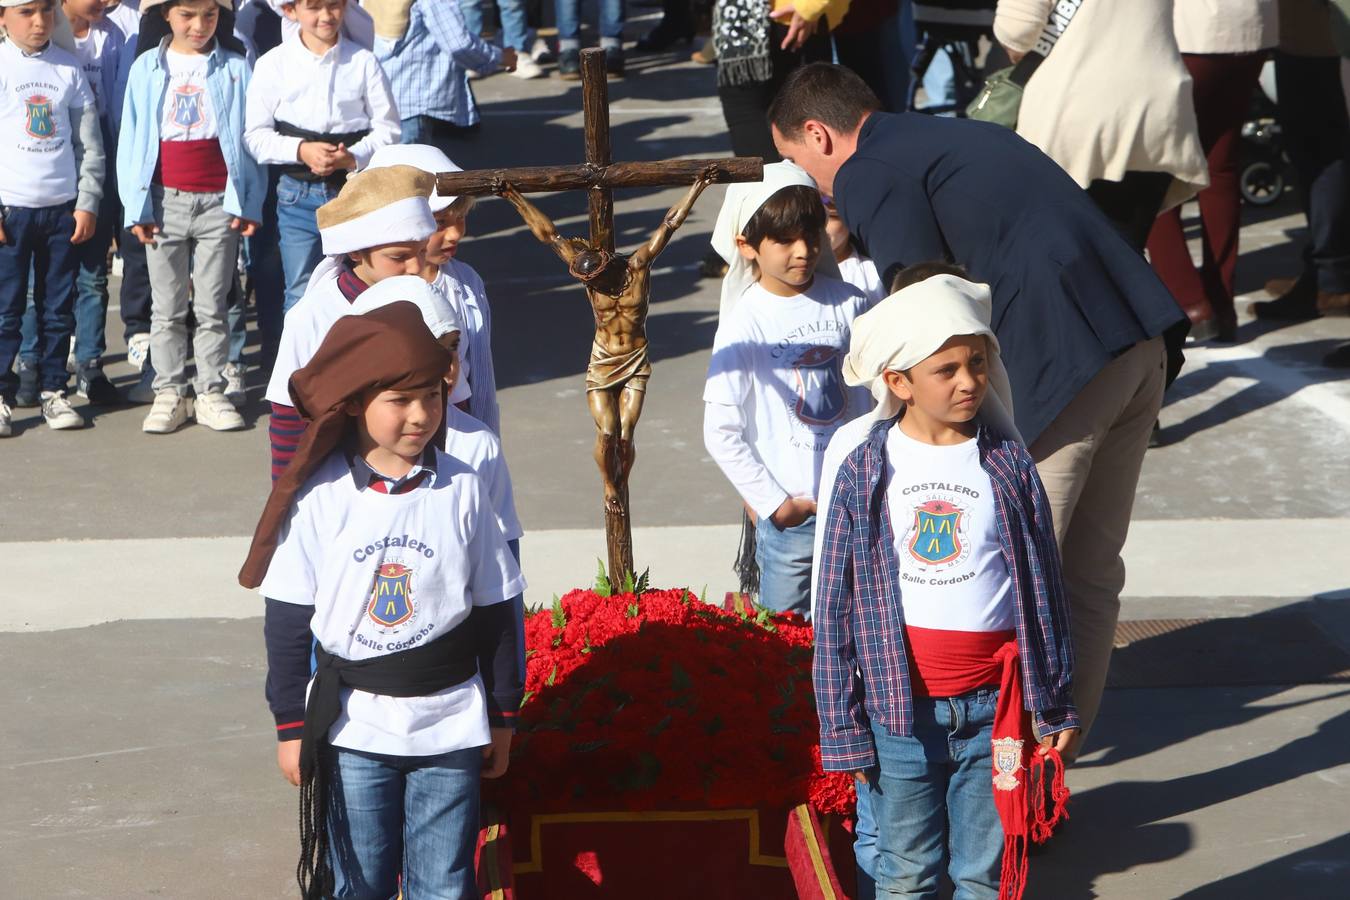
400, 423
88, 10
948, 387
785, 267
835, 230
321, 19
450, 229
193, 23
29, 26
450, 341
388, 260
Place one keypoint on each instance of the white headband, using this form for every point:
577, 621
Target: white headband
437, 312
409, 219
742, 201
911, 325
419, 156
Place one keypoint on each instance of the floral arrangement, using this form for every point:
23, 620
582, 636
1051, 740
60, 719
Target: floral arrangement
644, 699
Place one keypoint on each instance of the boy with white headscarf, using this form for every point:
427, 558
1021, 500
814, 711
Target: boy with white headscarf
940, 607
774, 394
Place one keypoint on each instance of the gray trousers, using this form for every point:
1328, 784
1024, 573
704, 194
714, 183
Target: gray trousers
196, 249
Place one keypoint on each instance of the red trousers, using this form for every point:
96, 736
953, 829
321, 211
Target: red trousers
1223, 85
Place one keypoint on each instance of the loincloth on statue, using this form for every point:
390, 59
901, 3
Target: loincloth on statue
608, 371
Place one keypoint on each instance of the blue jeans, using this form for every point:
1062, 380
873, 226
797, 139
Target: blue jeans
37, 244
301, 248
784, 560
568, 13
411, 815
932, 800
515, 31
263, 259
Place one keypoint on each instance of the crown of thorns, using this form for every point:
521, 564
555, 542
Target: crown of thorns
590, 264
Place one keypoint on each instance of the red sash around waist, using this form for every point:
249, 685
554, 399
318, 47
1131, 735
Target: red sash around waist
196, 166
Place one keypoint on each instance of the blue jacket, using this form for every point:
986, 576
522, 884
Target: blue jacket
227, 78
1069, 293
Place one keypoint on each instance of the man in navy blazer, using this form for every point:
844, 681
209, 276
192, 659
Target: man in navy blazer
1079, 315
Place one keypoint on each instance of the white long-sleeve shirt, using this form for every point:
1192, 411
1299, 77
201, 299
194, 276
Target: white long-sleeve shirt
344, 90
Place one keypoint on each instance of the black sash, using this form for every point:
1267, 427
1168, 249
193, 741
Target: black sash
301, 172
449, 660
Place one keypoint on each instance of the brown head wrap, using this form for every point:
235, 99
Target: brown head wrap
388, 349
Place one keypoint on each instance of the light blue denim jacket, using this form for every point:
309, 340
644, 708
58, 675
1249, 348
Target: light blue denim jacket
227, 77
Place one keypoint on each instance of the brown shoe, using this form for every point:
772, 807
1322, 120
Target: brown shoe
1277, 287
705, 55
1329, 304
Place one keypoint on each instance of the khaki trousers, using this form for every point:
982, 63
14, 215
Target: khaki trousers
1089, 459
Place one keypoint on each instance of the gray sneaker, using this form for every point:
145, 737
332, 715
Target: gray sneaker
217, 413
6, 420
170, 413
58, 412
236, 389
27, 395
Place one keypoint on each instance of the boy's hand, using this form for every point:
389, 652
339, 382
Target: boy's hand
793, 511
3, 239
288, 760
508, 59
318, 156
146, 233
245, 227
497, 754
860, 776
342, 158
84, 226
1066, 742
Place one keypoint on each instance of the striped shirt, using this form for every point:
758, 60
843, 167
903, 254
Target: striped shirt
426, 67
861, 670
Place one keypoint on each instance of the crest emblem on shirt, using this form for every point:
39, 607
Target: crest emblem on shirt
1007, 763
391, 602
38, 120
936, 536
820, 387
188, 109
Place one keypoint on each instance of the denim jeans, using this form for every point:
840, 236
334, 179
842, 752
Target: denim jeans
410, 815
194, 241
134, 296
932, 800
568, 12
37, 245
301, 248
263, 260
784, 560
515, 31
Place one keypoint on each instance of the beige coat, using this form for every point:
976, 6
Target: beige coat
1227, 26
1113, 96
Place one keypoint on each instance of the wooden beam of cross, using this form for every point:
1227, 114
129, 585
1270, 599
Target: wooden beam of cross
619, 368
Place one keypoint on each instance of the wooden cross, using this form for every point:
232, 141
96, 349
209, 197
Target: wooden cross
598, 176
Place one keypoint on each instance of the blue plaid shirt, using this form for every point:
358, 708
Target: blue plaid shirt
861, 670
426, 67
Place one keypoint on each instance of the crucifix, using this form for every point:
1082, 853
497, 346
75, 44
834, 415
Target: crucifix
617, 286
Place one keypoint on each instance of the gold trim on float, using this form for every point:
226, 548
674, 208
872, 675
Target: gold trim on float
813, 849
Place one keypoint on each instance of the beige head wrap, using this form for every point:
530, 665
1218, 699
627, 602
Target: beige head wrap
376, 207
911, 325
429, 159
391, 17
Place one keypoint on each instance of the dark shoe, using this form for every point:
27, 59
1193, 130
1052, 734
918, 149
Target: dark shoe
1292, 307
1338, 358
1225, 327
569, 65
27, 395
1333, 304
94, 386
614, 62
1203, 330
1278, 287
664, 36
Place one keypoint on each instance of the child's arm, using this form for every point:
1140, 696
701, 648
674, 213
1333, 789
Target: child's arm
674, 219
261, 139
252, 184
289, 640
724, 427
385, 128
86, 139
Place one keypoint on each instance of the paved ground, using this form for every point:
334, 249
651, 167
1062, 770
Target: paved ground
137, 754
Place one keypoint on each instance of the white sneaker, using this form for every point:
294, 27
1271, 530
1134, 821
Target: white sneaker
527, 68
236, 391
540, 52
58, 412
472, 74
170, 413
71, 365
6, 419
138, 350
217, 413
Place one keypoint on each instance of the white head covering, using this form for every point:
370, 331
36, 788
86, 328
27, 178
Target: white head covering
742, 201
437, 311
61, 35
420, 156
911, 325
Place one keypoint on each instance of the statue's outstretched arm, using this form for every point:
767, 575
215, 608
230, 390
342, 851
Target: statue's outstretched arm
540, 225
674, 219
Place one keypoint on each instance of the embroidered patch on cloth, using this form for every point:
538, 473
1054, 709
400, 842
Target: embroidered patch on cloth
1007, 763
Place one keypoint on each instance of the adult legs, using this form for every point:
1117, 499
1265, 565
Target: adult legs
1089, 459
1132, 204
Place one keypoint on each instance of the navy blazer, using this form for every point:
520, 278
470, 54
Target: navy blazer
1069, 293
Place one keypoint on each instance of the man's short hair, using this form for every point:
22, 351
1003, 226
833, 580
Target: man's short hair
923, 271
824, 92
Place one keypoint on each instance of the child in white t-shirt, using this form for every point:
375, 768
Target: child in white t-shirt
856, 269
774, 394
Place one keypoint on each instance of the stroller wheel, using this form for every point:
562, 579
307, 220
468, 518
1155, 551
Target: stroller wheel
1262, 183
